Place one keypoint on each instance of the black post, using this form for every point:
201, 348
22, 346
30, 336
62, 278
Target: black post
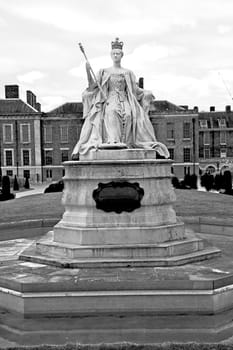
194, 145
17, 148
0, 163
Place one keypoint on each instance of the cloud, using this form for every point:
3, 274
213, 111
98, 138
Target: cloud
30, 77
50, 102
224, 29
116, 20
140, 60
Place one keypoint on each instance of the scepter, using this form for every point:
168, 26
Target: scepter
92, 72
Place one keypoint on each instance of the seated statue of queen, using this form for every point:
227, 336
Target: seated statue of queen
116, 111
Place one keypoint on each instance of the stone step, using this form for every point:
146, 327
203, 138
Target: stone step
32, 254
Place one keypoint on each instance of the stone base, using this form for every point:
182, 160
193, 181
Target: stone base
40, 303
174, 253
119, 212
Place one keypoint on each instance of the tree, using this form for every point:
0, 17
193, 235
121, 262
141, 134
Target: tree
16, 185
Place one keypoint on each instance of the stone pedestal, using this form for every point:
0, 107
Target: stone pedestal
119, 212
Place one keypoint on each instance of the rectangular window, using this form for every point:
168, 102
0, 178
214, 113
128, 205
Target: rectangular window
206, 153
206, 138
8, 153
48, 156
48, 134
64, 155
25, 136
203, 124
223, 153
171, 151
170, 131
187, 155
201, 152
64, 133
9, 172
49, 174
222, 137
26, 157
7, 133
222, 123
26, 174
186, 130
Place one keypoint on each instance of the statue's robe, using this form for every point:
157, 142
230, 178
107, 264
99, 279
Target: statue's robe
142, 133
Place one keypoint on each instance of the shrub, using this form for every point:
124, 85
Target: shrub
175, 182
5, 193
227, 181
26, 185
207, 181
193, 181
6, 187
15, 185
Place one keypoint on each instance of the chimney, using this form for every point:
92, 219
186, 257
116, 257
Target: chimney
29, 97
195, 109
212, 108
185, 107
33, 101
11, 91
38, 106
228, 108
141, 83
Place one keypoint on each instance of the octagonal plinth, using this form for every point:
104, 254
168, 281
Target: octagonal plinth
118, 212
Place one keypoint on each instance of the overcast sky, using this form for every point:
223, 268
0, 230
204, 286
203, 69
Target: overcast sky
182, 48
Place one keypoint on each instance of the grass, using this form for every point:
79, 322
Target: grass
189, 203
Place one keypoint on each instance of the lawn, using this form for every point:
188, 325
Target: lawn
42, 206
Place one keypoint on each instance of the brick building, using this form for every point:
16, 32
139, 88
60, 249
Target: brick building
216, 139
34, 144
177, 128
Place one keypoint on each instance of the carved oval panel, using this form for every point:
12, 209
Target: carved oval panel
118, 196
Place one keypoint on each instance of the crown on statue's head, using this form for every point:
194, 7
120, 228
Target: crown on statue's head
117, 44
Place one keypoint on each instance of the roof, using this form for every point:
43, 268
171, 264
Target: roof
166, 106
212, 118
69, 107
13, 106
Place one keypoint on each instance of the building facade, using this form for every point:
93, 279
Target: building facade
35, 144
177, 128
216, 140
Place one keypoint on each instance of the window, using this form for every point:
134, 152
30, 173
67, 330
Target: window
206, 153
49, 174
25, 136
186, 130
222, 137
9, 172
186, 170
223, 153
222, 123
26, 158
203, 124
170, 131
8, 157
187, 155
64, 133
26, 174
171, 151
206, 138
48, 156
7, 133
48, 133
64, 155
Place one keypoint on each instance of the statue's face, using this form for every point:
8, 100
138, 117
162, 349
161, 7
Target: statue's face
116, 55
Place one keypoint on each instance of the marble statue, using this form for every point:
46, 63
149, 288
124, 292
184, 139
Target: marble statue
116, 110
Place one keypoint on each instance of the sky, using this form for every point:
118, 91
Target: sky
182, 48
